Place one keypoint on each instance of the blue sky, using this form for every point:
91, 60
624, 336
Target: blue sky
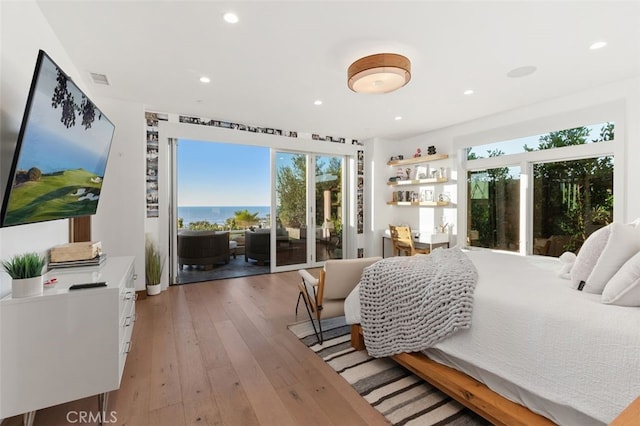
218, 174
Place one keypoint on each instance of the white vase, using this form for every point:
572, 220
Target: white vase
152, 290
27, 287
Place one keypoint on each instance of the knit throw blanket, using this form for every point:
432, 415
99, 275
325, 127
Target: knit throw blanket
410, 303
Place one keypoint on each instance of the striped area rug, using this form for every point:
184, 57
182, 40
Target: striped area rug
401, 396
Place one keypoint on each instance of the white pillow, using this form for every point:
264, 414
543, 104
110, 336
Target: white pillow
588, 255
623, 243
624, 288
567, 259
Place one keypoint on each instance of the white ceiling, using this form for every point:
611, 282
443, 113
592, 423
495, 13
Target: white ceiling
268, 69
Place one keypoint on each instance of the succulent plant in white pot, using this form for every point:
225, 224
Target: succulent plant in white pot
26, 273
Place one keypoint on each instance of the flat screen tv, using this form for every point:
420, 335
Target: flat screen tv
61, 153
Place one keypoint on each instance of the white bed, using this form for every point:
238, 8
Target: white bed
537, 341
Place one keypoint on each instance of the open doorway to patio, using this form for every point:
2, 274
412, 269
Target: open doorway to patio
222, 191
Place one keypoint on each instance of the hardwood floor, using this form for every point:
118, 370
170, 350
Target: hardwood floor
220, 353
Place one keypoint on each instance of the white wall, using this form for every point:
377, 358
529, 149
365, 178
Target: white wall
618, 101
23, 31
119, 221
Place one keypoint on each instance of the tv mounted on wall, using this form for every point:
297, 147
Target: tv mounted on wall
61, 153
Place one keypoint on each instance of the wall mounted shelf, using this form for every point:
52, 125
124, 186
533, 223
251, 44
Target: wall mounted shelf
418, 204
417, 160
417, 182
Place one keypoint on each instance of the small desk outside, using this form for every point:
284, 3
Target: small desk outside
423, 240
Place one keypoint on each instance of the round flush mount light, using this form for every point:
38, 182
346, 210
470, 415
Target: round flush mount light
522, 71
230, 17
205, 79
468, 92
317, 102
380, 73
598, 45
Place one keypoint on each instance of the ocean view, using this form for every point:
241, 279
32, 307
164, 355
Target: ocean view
216, 214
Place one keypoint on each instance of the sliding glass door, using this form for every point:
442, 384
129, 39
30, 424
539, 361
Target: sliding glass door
328, 207
307, 210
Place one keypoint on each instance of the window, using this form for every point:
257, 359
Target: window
571, 199
552, 201
494, 208
577, 136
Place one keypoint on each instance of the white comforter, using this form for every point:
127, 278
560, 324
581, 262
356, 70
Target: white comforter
535, 340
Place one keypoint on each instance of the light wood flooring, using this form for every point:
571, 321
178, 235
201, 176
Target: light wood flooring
220, 353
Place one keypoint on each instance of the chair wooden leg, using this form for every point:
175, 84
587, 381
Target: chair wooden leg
318, 334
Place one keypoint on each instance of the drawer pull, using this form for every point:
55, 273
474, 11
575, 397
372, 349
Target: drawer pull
128, 347
127, 321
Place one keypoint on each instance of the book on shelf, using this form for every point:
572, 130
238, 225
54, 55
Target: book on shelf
96, 261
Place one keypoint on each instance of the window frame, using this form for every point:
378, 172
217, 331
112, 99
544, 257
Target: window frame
526, 160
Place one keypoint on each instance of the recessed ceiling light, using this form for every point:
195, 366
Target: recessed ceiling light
230, 17
398, 118
317, 102
598, 45
205, 79
522, 71
468, 92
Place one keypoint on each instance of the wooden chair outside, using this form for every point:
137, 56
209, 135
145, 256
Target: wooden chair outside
402, 241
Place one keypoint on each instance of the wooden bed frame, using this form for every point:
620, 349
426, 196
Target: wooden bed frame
477, 396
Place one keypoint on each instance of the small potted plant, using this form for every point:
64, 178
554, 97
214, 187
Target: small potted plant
26, 273
153, 264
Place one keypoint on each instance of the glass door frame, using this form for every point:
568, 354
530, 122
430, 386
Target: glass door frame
311, 256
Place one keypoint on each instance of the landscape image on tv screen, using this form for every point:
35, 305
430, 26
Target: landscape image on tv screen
61, 153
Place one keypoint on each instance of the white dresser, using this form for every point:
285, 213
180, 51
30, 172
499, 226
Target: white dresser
66, 344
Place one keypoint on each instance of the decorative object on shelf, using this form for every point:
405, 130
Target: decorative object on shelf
407, 173
379, 73
153, 266
431, 150
397, 157
443, 172
400, 196
422, 172
426, 195
444, 197
418, 153
25, 271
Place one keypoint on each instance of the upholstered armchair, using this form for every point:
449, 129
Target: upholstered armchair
324, 296
257, 245
202, 248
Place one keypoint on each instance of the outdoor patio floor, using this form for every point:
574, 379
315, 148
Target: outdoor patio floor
235, 268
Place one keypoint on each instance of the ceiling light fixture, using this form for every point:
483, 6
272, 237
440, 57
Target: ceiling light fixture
205, 79
231, 18
380, 73
317, 102
598, 45
522, 71
468, 92
398, 118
